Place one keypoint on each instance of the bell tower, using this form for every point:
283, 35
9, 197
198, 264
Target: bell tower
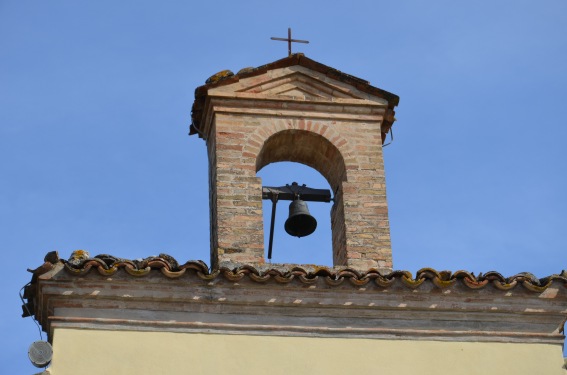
142, 315
298, 110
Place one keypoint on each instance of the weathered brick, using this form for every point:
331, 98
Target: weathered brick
342, 142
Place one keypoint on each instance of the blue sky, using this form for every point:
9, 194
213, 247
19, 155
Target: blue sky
95, 102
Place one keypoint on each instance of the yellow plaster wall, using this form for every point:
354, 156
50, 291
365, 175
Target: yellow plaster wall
127, 352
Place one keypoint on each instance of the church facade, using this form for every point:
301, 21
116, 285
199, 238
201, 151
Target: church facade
244, 315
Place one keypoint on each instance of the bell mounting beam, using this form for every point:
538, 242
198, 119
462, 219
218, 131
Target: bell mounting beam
294, 191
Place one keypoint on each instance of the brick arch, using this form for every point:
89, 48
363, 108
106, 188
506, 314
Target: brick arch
322, 148
307, 148
310, 146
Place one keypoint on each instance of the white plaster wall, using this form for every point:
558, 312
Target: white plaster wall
133, 352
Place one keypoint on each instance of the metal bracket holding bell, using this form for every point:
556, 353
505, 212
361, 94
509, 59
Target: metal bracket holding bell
300, 223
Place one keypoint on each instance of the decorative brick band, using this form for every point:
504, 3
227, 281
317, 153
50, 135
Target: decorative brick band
254, 143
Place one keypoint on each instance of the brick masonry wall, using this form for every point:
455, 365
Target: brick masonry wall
236, 201
342, 142
359, 217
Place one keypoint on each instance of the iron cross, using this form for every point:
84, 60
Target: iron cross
289, 40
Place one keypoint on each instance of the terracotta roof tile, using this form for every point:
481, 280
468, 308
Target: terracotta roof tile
81, 264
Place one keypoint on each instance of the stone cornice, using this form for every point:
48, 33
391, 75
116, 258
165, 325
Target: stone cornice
158, 294
302, 63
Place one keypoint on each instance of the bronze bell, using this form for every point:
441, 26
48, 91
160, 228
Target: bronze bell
300, 223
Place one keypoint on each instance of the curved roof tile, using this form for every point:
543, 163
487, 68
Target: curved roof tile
81, 264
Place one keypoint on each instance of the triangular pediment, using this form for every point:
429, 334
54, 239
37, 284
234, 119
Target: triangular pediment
294, 78
298, 84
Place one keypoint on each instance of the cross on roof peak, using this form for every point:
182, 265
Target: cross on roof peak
289, 40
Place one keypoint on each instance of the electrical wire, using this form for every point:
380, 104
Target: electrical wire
29, 312
391, 136
199, 131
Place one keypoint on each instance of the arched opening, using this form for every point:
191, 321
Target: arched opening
315, 151
306, 148
313, 249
